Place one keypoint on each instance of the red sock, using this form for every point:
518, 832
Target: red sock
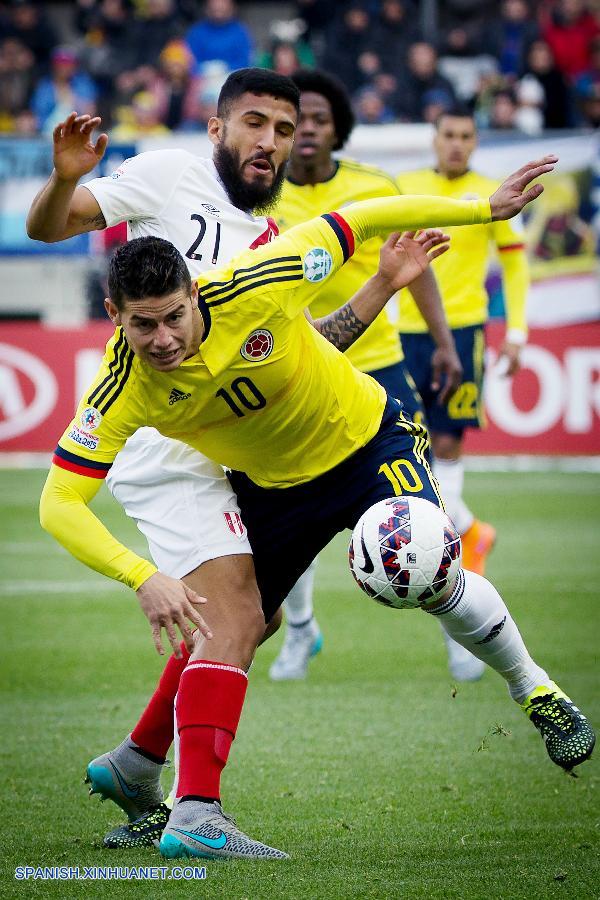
154, 731
209, 706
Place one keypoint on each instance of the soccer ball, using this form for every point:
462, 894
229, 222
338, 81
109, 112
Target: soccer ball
404, 552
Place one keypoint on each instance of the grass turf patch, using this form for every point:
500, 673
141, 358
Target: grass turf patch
375, 775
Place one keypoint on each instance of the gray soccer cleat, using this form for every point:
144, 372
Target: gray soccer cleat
299, 646
127, 778
197, 829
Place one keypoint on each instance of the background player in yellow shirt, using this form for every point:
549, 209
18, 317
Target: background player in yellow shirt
461, 280
315, 183
262, 391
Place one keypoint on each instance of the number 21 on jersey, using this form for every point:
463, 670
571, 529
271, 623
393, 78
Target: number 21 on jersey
193, 251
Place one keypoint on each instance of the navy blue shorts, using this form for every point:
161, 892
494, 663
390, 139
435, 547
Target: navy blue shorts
398, 383
465, 407
288, 527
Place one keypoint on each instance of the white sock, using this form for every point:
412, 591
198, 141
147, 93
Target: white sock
450, 474
299, 604
173, 792
476, 616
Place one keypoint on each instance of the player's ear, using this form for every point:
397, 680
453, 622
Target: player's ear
112, 312
194, 294
214, 129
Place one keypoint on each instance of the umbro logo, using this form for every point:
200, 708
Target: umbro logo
493, 632
176, 395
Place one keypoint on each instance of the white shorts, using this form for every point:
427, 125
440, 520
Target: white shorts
181, 501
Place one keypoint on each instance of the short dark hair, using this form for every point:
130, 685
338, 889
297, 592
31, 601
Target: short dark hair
316, 81
256, 81
456, 111
146, 267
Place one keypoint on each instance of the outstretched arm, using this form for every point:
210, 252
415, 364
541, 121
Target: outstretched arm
369, 218
62, 209
65, 514
308, 253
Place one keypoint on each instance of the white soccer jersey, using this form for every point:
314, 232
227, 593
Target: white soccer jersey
175, 195
181, 501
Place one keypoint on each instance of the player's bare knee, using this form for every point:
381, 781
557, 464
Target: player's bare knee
252, 623
446, 446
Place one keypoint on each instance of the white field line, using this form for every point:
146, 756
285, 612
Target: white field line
24, 548
49, 548
20, 460
525, 463
16, 588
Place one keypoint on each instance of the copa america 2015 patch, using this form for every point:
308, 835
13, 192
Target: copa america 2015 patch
257, 345
317, 264
90, 418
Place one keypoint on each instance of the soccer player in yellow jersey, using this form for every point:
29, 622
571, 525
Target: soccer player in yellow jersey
461, 280
307, 437
315, 183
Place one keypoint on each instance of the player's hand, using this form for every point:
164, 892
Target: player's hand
75, 154
511, 196
403, 257
509, 358
446, 372
167, 602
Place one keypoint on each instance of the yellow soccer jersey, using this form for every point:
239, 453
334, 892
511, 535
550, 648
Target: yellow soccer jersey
461, 272
265, 393
379, 345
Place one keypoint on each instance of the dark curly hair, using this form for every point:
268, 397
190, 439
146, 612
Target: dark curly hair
146, 267
318, 82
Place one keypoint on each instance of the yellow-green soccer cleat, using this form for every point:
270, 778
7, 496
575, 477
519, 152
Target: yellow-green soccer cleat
568, 735
144, 832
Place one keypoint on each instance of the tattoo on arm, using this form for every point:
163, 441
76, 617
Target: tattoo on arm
98, 221
341, 328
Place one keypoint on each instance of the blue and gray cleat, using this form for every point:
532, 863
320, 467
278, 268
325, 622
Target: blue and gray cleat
127, 778
197, 829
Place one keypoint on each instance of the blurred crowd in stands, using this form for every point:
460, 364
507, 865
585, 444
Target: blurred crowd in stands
150, 67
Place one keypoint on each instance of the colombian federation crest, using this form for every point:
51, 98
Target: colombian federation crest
257, 345
90, 419
317, 264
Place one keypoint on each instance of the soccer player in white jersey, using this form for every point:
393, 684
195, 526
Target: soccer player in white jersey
181, 501
203, 206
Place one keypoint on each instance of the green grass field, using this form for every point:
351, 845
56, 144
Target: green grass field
375, 778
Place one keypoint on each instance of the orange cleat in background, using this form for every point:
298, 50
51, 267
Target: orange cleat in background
477, 542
